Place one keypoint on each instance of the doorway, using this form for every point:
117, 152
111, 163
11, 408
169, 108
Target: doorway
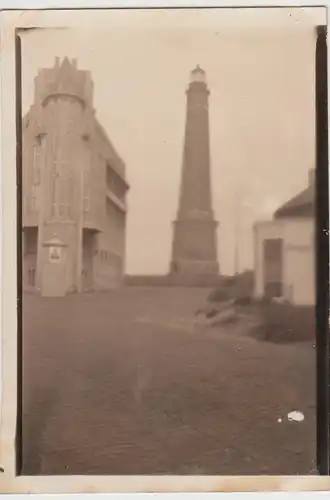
87, 260
273, 267
30, 251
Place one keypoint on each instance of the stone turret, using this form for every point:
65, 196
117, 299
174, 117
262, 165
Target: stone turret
64, 79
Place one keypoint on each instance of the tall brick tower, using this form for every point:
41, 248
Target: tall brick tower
194, 251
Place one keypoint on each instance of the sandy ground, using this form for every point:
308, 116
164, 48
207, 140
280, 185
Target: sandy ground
125, 383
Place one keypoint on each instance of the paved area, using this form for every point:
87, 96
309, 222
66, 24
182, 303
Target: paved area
125, 383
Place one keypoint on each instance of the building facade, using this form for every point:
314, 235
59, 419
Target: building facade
194, 248
74, 189
285, 251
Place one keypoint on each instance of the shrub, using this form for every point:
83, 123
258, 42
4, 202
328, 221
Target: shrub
285, 323
243, 301
211, 313
239, 288
218, 295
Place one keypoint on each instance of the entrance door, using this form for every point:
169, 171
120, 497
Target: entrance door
88, 253
30, 245
273, 267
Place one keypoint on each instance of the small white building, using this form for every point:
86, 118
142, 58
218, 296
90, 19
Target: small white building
285, 251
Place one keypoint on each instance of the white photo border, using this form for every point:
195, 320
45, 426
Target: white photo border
10, 21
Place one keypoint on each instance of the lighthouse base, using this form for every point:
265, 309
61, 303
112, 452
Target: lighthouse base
194, 273
194, 268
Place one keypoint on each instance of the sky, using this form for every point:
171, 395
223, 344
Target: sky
260, 73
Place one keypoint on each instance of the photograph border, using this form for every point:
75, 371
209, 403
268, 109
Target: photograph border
10, 482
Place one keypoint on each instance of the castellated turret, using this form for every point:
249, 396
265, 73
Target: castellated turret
64, 79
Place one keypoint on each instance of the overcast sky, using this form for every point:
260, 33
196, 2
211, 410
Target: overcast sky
261, 79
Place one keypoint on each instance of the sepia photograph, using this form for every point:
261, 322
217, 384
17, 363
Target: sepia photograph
168, 261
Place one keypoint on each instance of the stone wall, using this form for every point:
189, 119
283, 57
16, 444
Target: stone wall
173, 280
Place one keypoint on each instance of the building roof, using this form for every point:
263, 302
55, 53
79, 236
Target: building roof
301, 205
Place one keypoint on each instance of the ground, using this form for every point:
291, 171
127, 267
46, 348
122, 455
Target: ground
125, 382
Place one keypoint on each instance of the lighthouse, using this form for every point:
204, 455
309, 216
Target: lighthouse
194, 248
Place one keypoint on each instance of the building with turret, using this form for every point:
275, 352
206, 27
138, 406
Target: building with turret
74, 189
194, 248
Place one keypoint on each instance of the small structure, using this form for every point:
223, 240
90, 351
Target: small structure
53, 261
285, 251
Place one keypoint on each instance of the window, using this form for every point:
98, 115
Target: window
114, 182
31, 241
37, 155
62, 188
37, 151
31, 277
62, 179
35, 197
87, 181
105, 256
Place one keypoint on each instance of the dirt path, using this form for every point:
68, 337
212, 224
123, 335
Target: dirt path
125, 383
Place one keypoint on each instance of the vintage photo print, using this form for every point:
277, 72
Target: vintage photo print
168, 234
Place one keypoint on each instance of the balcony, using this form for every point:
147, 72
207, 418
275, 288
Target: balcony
119, 203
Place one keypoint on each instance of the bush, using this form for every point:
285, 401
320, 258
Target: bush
211, 313
285, 323
243, 301
238, 288
218, 295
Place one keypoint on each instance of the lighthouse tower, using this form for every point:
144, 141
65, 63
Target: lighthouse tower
194, 250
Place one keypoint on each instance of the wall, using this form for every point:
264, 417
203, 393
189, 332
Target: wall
30, 131
298, 258
48, 121
300, 268
203, 281
109, 249
109, 255
67, 233
109, 261
62, 121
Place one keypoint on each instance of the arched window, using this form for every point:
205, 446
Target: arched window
62, 185
87, 178
62, 178
37, 158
